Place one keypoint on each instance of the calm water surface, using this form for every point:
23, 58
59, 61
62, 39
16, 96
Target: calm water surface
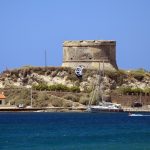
74, 131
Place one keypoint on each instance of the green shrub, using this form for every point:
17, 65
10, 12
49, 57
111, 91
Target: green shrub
67, 104
84, 100
15, 72
57, 102
40, 87
42, 100
72, 77
129, 90
88, 73
16, 97
137, 90
74, 89
71, 97
56, 87
138, 74
117, 75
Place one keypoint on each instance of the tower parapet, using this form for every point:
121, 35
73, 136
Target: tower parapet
90, 53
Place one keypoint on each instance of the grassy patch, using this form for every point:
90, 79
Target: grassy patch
71, 97
56, 87
131, 91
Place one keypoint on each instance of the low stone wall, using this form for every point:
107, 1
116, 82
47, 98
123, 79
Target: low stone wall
128, 100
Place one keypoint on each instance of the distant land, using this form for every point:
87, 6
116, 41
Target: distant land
95, 65
60, 87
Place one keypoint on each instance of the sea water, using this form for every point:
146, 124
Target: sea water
73, 131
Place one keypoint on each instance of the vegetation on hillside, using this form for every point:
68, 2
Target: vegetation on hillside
56, 87
130, 91
26, 74
41, 98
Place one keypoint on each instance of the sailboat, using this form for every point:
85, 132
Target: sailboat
106, 107
103, 105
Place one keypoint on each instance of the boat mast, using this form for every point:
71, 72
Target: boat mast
95, 88
100, 84
31, 97
103, 69
101, 75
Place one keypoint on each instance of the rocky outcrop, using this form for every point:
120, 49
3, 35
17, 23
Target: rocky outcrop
29, 76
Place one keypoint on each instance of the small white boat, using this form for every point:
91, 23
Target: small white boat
135, 114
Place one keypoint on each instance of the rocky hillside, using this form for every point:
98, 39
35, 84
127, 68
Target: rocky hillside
64, 79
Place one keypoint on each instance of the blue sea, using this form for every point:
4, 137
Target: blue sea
73, 131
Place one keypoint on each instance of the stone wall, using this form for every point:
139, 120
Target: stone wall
90, 54
128, 100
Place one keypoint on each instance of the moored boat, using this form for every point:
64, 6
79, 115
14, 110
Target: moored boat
102, 104
106, 107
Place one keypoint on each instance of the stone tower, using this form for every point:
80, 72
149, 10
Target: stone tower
90, 54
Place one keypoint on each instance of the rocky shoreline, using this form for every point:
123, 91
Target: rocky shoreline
66, 109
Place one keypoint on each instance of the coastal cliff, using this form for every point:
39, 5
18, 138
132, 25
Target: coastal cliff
59, 86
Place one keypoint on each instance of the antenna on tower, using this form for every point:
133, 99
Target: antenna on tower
45, 59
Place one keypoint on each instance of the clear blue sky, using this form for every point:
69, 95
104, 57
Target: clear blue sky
29, 27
